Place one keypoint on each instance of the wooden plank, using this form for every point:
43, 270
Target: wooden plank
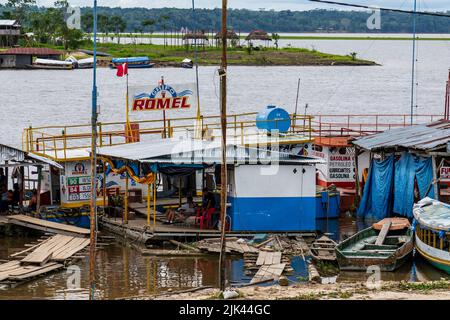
383, 233
45, 225
8, 266
267, 272
72, 250
261, 258
38, 257
36, 272
276, 258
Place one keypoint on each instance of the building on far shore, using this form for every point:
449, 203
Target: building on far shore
19, 58
232, 37
258, 35
9, 33
198, 38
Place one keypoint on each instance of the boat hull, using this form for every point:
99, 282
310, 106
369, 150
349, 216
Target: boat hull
361, 261
82, 220
440, 259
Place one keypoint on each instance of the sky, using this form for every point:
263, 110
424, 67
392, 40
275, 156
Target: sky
424, 5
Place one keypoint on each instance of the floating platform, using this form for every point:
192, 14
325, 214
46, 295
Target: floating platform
38, 260
47, 226
139, 231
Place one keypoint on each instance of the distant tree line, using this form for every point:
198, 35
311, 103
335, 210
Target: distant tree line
48, 24
271, 21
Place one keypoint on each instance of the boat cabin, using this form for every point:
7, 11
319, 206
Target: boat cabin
268, 191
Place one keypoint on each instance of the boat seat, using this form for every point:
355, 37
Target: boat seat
379, 247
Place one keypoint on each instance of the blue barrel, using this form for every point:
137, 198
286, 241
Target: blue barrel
273, 118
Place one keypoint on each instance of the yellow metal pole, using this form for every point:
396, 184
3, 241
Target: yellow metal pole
148, 204
104, 184
126, 199
434, 240
154, 204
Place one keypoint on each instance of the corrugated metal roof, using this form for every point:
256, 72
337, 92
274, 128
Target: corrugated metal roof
420, 137
8, 153
196, 151
32, 51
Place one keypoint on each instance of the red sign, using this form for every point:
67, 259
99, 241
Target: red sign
160, 103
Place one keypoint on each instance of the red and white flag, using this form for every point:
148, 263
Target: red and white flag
122, 69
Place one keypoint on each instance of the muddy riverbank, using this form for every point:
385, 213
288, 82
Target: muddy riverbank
389, 290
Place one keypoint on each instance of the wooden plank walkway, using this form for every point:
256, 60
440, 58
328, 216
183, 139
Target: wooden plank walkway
268, 272
47, 226
268, 258
47, 256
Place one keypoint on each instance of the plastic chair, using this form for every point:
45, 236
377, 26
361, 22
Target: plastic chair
206, 218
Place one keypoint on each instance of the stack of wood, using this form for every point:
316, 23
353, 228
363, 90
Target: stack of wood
47, 255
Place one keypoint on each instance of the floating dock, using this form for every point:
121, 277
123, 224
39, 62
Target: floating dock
139, 231
47, 226
47, 256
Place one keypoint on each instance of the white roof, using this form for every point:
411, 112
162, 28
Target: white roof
11, 23
432, 214
196, 151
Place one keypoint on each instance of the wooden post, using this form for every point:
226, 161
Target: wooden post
126, 200
223, 173
22, 184
148, 204
39, 173
179, 192
357, 186
435, 180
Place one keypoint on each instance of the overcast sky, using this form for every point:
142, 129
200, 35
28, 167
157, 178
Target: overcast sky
256, 4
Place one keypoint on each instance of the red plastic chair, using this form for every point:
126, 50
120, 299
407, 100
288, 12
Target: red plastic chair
206, 218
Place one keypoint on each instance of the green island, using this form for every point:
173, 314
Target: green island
257, 56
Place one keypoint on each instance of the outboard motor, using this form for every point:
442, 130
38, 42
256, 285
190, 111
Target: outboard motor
273, 118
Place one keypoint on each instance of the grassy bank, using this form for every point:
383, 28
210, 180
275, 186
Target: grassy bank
236, 56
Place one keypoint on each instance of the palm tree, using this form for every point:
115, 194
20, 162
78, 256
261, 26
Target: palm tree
148, 24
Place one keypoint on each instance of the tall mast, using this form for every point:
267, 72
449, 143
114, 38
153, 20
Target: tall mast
223, 121
93, 214
413, 67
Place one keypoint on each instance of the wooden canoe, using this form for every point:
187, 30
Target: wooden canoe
396, 223
363, 250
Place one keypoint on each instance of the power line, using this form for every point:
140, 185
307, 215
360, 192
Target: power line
424, 13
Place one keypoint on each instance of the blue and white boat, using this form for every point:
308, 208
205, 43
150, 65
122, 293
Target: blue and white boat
432, 220
133, 62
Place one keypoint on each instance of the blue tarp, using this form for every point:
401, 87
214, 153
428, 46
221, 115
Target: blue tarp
408, 168
390, 187
376, 202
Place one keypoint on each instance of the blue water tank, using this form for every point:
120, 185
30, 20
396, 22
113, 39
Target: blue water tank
273, 118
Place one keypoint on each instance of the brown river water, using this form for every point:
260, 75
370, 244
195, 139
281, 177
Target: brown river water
123, 272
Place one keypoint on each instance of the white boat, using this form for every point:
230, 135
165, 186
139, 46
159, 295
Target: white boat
433, 232
187, 63
51, 64
86, 63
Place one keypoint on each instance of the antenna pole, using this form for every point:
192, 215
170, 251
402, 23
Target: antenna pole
93, 213
413, 68
223, 120
296, 102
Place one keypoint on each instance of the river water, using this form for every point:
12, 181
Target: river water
45, 97
123, 272
41, 97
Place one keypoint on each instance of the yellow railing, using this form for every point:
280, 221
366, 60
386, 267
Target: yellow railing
58, 141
